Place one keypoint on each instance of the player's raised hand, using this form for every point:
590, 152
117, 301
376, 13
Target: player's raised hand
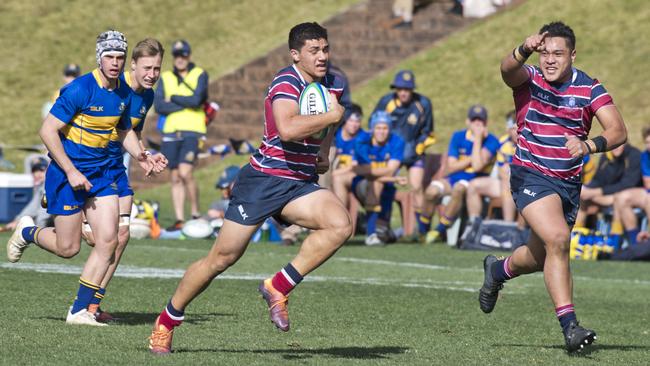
535, 42
575, 146
78, 181
336, 109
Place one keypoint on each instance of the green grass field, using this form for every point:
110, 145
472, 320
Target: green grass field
401, 304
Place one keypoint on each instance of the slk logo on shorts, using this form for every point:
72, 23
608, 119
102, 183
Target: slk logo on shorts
243, 214
529, 192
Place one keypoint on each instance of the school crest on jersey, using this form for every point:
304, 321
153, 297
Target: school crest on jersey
412, 119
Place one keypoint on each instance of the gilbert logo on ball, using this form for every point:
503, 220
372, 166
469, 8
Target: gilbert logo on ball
315, 99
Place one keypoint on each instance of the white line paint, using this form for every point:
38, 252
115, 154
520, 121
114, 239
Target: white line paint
166, 273
404, 264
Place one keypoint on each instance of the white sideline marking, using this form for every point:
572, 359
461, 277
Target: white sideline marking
149, 272
405, 264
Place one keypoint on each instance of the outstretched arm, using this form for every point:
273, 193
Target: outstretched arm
512, 65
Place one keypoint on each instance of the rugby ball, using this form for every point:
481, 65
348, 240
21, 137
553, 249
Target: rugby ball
140, 228
315, 99
197, 229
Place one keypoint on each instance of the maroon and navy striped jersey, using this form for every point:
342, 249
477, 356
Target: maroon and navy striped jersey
289, 159
546, 112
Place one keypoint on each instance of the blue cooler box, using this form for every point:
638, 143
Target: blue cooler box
15, 193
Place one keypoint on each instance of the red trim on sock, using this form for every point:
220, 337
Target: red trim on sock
564, 309
281, 283
168, 322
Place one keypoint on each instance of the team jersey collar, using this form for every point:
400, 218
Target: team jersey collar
565, 85
127, 79
98, 79
302, 80
469, 136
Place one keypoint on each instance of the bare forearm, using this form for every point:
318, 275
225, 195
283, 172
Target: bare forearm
300, 127
456, 166
131, 142
50, 138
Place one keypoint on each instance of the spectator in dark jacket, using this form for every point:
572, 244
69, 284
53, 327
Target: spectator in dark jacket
617, 170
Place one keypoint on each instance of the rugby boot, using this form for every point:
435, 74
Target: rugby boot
577, 338
82, 317
277, 304
17, 244
160, 341
489, 293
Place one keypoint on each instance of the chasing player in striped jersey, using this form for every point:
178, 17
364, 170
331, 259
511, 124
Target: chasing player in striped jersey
555, 104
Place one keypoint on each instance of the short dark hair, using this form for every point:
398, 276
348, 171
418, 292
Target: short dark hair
645, 132
303, 32
356, 109
559, 29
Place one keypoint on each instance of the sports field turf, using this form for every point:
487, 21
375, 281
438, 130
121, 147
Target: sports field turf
401, 304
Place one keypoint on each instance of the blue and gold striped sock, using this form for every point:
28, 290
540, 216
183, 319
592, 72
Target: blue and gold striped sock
30, 233
99, 296
85, 294
424, 222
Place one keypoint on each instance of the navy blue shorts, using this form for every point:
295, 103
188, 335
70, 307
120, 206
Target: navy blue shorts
528, 185
257, 196
63, 200
180, 147
119, 176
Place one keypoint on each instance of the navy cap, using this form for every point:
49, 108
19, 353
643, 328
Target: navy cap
404, 79
227, 177
71, 70
477, 111
181, 48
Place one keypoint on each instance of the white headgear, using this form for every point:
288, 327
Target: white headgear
109, 42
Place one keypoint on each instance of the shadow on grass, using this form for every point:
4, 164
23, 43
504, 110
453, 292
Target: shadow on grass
132, 318
297, 353
585, 353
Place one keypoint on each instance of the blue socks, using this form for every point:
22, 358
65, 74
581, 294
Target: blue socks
371, 226
30, 233
99, 296
424, 222
631, 236
84, 295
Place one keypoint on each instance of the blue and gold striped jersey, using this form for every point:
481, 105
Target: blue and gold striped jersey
91, 113
506, 150
460, 147
367, 153
138, 107
345, 148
